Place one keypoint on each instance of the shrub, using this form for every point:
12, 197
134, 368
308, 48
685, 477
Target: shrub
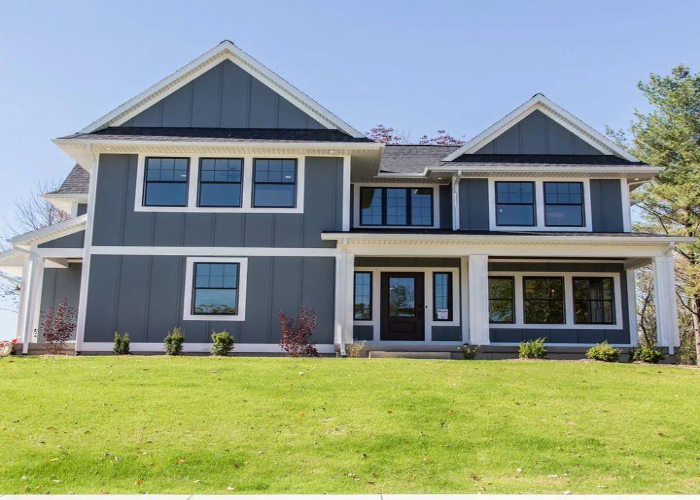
222, 343
356, 349
603, 352
532, 349
646, 354
469, 351
296, 333
7, 347
121, 344
173, 342
57, 326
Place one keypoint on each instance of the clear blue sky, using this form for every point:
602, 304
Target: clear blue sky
415, 65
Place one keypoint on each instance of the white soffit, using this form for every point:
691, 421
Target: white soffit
541, 103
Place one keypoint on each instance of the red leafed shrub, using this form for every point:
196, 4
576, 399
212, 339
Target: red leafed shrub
296, 333
57, 326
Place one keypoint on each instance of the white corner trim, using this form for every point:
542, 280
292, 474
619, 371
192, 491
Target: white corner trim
347, 186
216, 251
553, 111
224, 51
632, 305
246, 186
187, 313
540, 205
193, 347
357, 220
569, 322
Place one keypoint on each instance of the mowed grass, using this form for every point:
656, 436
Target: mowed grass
279, 425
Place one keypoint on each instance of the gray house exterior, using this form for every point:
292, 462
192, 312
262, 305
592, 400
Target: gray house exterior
223, 195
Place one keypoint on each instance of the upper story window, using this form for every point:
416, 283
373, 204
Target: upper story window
383, 206
274, 183
563, 204
515, 203
220, 182
165, 182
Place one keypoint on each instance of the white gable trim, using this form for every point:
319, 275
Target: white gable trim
225, 50
541, 103
51, 232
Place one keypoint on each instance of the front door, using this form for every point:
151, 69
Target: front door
403, 304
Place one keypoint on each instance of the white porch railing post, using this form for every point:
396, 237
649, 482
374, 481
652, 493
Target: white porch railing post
665, 299
478, 278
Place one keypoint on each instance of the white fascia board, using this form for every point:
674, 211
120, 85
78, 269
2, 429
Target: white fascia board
552, 110
52, 232
508, 239
225, 50
526, 169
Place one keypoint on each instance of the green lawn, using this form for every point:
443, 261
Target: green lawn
272, 425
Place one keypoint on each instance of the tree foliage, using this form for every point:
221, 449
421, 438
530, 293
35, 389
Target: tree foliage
387, 135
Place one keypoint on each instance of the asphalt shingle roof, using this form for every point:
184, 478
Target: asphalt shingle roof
174, 134
77, 182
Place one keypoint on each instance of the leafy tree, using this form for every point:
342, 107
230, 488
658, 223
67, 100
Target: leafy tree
387, 135
669, 136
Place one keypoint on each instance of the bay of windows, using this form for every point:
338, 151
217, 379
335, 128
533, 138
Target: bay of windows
383, 206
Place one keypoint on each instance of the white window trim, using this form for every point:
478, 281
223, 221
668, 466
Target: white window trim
568, 302
246, 187
436, 204
539, 205
376, 321
189, 289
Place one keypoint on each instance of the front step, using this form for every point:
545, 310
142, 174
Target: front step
410, 355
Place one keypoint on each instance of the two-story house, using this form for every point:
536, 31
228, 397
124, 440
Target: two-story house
223, 195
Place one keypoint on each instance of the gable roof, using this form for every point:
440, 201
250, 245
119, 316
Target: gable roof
225, 50
541, 103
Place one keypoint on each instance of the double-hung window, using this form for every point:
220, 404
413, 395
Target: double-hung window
220, 182
501, 299
363, 296
165, 182
594, 301
215, 288
515, 204
543, 300
563, 204
442, 296
274, 183
380, 206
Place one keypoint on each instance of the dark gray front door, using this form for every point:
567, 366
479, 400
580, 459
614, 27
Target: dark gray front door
403, 306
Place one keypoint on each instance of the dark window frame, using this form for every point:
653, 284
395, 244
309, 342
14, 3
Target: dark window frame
533, 204
267, 183
371, 295
563, 299
146, 182
512, 300
200, 182
450, 297
612, 301
545, 204
409, 206
195, 288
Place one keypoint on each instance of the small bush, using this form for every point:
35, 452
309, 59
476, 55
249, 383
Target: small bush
173, 342
296, 333
57, 326
121, 344
222, 343
469, 351
603, 352
532, 349
355, 350
646, 354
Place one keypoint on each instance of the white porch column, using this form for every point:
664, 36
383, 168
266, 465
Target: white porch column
32, 279
339, 301
632, 306
349, 316
665, 300
478, 298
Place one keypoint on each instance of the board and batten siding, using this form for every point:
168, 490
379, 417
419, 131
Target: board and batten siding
117, 224
226, 96
143, 296
569, 335
60, 283
606, 206
538, 134
474, 204
75, 240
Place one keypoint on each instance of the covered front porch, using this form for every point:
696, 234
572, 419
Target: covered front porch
431, 292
